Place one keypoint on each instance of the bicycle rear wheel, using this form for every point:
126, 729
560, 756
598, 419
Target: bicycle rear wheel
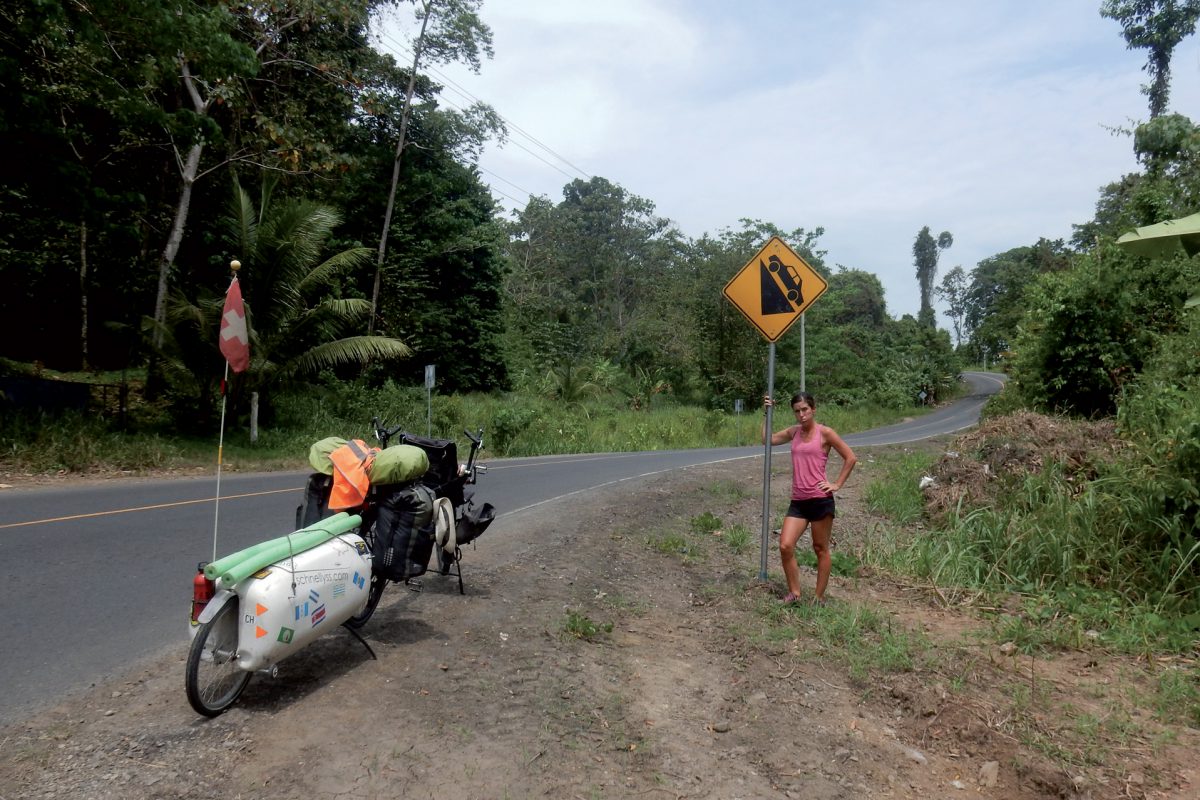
374, 593
213, 679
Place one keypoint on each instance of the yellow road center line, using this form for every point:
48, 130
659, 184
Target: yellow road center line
142, 508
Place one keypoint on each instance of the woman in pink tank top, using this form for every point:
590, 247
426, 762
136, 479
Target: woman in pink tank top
812, 492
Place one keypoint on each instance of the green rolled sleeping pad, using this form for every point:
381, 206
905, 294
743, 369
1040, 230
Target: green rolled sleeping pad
399, 464
244, 563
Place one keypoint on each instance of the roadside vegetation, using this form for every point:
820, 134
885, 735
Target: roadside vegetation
514, 424
929, 616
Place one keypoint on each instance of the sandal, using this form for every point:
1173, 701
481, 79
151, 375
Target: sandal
791, 599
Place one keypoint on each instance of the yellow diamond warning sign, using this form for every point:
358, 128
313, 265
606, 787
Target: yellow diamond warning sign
775, 288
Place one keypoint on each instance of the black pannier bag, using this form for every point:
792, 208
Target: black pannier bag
403, 530
442, 476
474, 522
316, 500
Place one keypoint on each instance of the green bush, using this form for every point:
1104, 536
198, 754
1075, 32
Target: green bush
510, 422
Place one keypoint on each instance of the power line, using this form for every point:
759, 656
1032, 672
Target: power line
467, 94
506, 180
382, 35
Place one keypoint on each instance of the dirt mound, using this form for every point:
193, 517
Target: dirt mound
991, 458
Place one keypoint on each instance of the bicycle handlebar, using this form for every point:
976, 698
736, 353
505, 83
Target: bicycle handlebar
384, 436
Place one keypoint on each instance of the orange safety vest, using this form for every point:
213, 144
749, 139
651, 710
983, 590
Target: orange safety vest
350, 482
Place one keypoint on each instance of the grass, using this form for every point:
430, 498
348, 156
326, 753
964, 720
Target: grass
580, 626
895, 493
707, 522
1087, 562
844, 564
873, 647
859, 637
1177, 697
739, 538
673, 543
728, 492
634, 606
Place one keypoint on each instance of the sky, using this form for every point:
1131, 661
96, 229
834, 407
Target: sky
869, 118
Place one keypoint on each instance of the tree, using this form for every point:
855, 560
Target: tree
237, 67
730, 356
847, 326
450, 31
601, 254
925, 256
953, 290
206, 42
1089, 329
1156, 26
995, 301
81, 128
298, 328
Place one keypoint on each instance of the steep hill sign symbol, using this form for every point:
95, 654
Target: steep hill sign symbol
774, 288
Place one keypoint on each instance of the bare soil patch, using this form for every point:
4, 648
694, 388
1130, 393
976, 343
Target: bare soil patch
699, 690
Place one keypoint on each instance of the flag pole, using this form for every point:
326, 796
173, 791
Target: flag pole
220, 454
228, 327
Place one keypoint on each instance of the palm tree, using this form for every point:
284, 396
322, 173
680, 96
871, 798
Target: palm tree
298, 326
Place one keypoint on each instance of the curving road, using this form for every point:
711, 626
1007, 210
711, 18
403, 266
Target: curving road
97, 577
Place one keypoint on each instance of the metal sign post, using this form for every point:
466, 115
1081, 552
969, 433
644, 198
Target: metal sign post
803, 366
766, 524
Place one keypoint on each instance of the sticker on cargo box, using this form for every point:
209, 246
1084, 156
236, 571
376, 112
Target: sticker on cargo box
285, 635
262, 573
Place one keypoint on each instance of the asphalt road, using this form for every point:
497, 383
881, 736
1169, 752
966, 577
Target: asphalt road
97, 577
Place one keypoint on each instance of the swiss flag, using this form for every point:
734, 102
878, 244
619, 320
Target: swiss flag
235, 339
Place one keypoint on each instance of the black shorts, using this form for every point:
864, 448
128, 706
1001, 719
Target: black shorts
814, 509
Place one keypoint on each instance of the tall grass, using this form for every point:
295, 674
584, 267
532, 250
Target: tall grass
1094, 556
897, 493
74, 442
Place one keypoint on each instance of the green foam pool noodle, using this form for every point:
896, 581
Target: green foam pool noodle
244, 563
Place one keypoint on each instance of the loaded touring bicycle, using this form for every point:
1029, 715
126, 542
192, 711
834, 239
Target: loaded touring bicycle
370, 516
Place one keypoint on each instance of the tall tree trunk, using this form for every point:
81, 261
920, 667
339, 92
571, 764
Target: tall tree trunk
175, 239
187, 174
391, 202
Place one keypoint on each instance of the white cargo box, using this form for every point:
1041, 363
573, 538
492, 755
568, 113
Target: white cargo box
297, 599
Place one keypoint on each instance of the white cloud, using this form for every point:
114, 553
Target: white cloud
871, 118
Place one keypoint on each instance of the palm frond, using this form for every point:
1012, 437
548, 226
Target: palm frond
242, 224
332, 319
322, 274
356, 350
299, 228
352, 309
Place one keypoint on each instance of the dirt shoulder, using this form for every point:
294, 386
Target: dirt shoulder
703, 687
